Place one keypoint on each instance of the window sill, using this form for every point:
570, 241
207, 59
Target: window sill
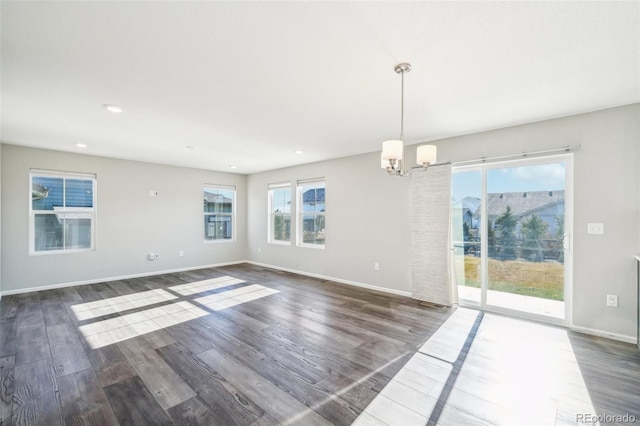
312, 246
230, 240
280, 243
63, 252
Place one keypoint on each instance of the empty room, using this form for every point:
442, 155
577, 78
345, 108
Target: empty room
319, 213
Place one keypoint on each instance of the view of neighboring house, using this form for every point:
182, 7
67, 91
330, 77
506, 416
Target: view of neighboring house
313, 200
48, 193
468, 210
62, 209
313, 224
544, 206
218, 207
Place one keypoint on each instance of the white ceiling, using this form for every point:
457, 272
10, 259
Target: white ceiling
247, 83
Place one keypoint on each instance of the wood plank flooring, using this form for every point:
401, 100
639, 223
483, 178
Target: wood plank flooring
313, 353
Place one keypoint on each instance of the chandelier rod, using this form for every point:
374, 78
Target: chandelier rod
402, 107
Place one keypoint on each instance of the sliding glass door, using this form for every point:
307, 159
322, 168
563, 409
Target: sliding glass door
510, 233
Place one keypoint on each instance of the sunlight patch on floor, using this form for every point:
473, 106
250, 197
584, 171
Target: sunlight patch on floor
117, 304
514, 372
206, 285
447, 342
235, 297
114, 330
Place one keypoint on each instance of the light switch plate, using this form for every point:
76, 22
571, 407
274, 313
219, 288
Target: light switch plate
595, 228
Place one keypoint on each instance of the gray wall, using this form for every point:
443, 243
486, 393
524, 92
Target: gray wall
368, 212
367, 222
130, 223
0, 221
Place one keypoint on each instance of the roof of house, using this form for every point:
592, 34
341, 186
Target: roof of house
468, 204
216, 198
314, 195
522, 202
50, 192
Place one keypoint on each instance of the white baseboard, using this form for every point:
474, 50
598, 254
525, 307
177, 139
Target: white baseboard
122, 277
338, 280
191, 268
600, 333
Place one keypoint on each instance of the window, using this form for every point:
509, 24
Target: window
219, 211
63, 212
311, 213
280, 213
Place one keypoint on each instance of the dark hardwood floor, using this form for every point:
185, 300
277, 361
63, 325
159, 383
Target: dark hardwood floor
268, 347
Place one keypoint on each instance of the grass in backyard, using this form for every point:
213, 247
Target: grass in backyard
536, 279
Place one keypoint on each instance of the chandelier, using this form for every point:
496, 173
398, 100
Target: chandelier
391, 158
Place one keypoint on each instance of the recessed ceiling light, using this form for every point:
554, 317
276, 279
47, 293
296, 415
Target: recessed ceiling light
81, 145
233, 167
298, 151
112, 108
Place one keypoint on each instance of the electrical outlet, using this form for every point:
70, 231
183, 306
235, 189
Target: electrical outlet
612, 300
595, 228
181, 253
151, 256
376, 266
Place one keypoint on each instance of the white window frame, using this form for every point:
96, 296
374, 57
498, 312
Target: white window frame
301, 185
232, 214
271, 215
92, 212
